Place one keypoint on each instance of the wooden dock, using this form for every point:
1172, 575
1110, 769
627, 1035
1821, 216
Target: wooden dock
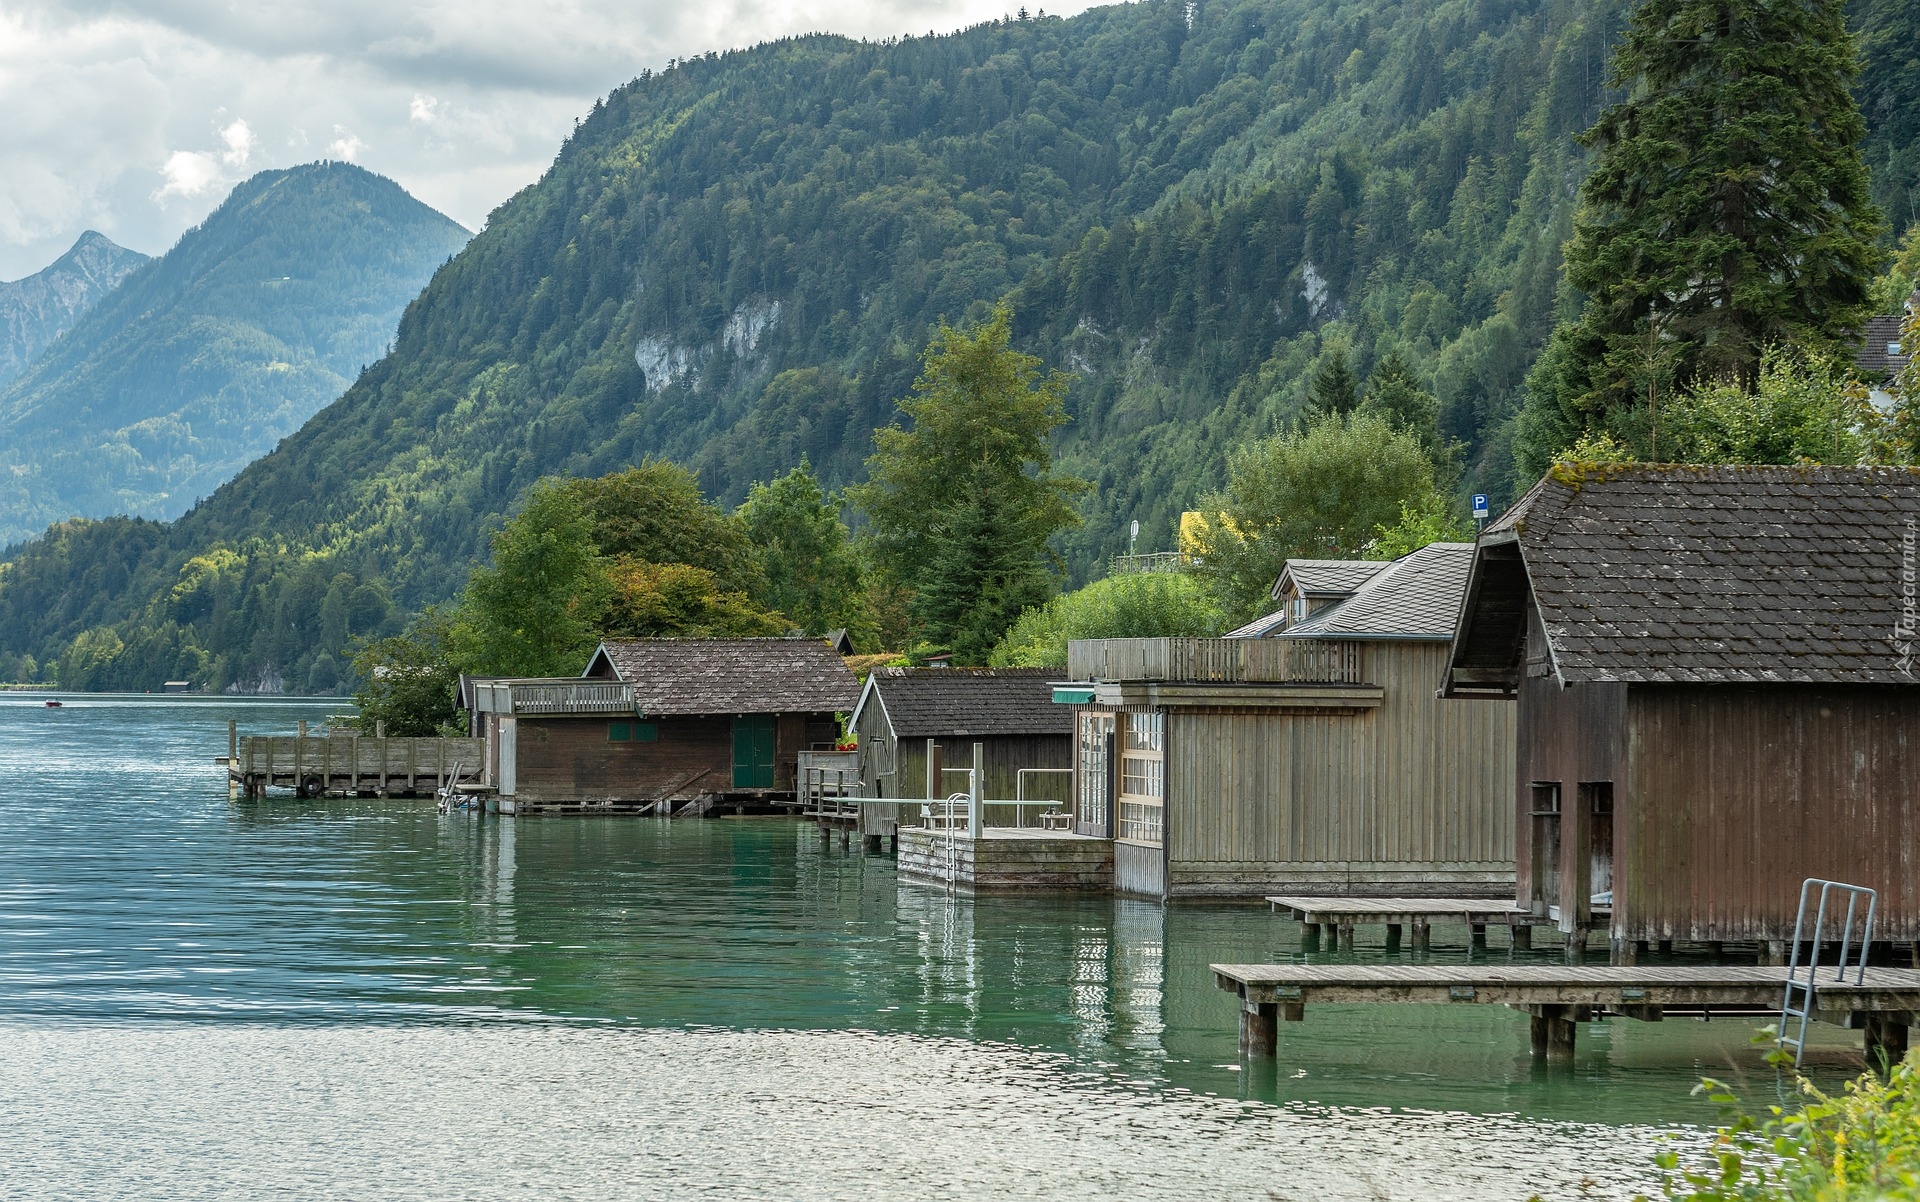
1340, 915
347, 763
1560, 996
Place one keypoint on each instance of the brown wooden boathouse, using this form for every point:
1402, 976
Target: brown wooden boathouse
1716, 683
662, 721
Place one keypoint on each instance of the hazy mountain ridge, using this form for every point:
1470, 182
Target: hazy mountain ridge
37, 309
206, 357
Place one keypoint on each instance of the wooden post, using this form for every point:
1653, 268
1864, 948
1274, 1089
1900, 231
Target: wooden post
1346, 935
1886, 1039
1422, 936
1627, 951
413, 763
934, 783
1259, 1029
1773, 951
233, 757
1577, 946
1522, 936
299, 758
380, 733
1550, 1032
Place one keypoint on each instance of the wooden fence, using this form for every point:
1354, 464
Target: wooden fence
313, 765
1220, 660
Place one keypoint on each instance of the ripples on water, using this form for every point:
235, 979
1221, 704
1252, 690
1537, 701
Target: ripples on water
367, 999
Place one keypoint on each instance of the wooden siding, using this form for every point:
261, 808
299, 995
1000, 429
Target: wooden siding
1737, 793
1413, 797
1568, 736
565, 759
901, 771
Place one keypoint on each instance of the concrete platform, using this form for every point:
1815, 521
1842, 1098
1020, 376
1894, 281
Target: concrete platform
1005, 859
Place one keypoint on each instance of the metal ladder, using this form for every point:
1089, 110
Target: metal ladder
1807, 988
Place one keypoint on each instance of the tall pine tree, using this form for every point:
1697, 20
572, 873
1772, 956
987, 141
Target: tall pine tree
1727, 211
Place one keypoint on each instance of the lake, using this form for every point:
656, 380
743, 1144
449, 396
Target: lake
205, 998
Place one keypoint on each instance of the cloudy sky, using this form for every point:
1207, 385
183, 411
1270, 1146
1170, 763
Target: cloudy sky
135, 117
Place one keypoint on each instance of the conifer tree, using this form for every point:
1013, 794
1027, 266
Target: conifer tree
1727, 209
1334, 389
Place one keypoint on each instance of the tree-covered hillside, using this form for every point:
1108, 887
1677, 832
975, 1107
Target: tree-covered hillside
205, 358
735, 262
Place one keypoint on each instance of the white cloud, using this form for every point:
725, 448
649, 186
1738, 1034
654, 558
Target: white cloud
346, 146
135, 116
239, 140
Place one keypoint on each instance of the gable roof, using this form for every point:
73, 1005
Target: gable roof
1875, 359
1260, 627
1697, 574
1414, 597
728, 676
925, 703
1325, 577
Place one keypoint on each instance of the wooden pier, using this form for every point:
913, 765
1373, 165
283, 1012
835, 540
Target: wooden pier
350, 763
1559, 997
1340, 915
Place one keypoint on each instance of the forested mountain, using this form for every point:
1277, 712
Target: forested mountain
206, 357
39, 308
735, 262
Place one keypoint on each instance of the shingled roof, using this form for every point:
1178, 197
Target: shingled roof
925, 703
1697, 574
1414, 597
728, 676
1325, 577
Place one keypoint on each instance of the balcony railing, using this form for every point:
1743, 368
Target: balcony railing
554, 697
1245, 661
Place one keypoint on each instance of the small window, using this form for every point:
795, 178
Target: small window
1893, 348
632, 732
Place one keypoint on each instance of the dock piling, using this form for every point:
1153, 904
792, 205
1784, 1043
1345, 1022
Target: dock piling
1422, 936
1259, 1029
1550, 1032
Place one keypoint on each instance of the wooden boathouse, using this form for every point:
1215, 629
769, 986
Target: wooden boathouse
1714, 668
913, 724
663, 725
1315, 761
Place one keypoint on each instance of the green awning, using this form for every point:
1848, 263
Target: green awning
1072, 695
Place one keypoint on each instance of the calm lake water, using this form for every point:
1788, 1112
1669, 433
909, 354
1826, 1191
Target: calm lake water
202, 998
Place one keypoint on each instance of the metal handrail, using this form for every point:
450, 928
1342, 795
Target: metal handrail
1810, 987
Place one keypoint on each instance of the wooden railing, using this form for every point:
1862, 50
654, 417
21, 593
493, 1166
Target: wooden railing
1217, 660
553, 697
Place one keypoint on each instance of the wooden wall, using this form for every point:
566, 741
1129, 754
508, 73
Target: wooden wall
1412, 798
902, 772
1737, 793
568, 758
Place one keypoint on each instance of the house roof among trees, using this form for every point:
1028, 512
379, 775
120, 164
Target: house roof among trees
1699, 574
1414, 597
1877, 360
925, 703
728, 676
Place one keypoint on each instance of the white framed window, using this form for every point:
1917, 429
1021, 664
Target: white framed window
1143, 779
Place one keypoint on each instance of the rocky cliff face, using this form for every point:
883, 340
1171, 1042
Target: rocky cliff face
38, 309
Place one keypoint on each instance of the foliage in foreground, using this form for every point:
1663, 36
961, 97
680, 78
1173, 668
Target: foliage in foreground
1862, 1145
1135, 606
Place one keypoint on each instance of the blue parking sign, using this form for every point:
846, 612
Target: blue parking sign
1479, 505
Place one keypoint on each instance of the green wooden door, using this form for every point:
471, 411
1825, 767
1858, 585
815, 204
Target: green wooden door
753, 751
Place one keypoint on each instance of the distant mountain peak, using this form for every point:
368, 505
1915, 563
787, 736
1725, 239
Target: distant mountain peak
36, 310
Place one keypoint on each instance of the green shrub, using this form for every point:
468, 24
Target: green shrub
1142, 605
1861, 1145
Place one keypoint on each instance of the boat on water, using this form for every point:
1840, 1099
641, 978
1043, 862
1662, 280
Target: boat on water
54, 705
